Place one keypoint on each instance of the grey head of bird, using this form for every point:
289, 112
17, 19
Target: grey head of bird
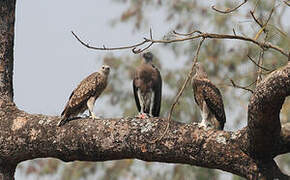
148, 56
105, 69
199, 71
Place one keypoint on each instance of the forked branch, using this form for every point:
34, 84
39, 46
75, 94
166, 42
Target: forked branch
241, 87
263, 45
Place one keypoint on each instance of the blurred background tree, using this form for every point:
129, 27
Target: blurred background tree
224, 60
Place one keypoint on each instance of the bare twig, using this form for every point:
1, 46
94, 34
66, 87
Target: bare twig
256, 20
260, 61
234, 32
228, 10
137, 51
187, 34
257, 64
261, 24
105, 48
263, 45
260, 32
181, 90
241, 87
257, 2
270, 15
286, 2
259, 71
151, 35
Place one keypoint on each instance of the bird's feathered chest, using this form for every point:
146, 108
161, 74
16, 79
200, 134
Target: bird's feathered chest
197, 86
146, 77
91, 86
202, 85
101, 83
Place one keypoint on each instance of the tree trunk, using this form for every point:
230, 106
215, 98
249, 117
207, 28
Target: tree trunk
7, 19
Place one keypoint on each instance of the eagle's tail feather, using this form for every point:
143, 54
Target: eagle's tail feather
64, 111
62, 122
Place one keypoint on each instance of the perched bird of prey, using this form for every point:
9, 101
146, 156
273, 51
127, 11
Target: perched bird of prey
147, 87
85, 95
209, 99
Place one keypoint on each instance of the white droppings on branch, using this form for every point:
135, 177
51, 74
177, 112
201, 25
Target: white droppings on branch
235, 135
18, 123
33, 134
221, 139
147, 127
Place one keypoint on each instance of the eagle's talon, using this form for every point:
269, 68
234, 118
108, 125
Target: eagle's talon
202, 125
142, 116
147, 87
85, 116
94, 117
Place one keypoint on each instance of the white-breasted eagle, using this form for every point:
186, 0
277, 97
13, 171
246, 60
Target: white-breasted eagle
209, 99
147, 87
85, 95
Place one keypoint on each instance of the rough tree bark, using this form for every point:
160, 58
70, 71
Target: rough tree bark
7, 18
248, 152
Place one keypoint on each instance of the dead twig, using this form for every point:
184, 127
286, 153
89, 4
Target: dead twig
259, 71
137, 51
234, 32
287, 3
251, 59
269, 17
181, 91
229, 10
241, 87
187, 34
261, 24
256, 5
255, 19
261, 56
263, 45
114, 48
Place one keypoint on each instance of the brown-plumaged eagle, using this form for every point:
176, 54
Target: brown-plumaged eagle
147, 87
209, 99
85, 95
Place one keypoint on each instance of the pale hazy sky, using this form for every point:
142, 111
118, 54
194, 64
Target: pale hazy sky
49, 62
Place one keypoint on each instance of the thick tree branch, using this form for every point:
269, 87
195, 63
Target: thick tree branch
28, 136
7, 170
263, 113
7, 18
111, 139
